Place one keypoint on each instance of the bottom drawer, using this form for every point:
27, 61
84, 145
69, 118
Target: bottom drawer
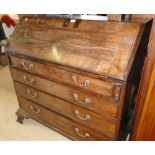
73, 129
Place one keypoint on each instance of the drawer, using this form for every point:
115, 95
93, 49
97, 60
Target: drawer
70, 94
106, 88
103, 124
52, 119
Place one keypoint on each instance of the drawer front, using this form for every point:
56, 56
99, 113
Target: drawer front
66, 125
108, 89
73, 95
103, 124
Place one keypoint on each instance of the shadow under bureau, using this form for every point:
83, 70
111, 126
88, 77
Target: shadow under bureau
76, 79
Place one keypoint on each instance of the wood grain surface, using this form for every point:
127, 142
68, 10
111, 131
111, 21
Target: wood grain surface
106, 48
102, 87
52, 119
101, 123
97, 103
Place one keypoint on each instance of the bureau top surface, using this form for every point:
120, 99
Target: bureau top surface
105, 48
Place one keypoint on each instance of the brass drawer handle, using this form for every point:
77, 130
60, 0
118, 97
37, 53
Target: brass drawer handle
86, 82
87, 117
34, 95
51, 70
37, 111
30, 82
86, 101
29, 66
78, 133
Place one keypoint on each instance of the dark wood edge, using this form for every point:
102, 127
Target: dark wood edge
140, 51
147, 70
122, 95
135, 49
141, 98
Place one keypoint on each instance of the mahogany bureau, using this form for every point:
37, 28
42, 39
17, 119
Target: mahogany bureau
75, 76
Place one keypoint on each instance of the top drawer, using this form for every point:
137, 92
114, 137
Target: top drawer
106, 88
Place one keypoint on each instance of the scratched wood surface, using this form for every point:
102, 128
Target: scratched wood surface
105, 48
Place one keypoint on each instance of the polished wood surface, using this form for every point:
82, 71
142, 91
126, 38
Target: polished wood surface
103, 124
105, 48
97, 104
105, 87
54, 120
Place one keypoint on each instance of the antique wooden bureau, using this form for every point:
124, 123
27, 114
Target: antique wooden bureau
75, 76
